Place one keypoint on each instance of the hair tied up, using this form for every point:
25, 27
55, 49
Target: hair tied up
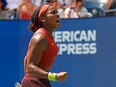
36, 28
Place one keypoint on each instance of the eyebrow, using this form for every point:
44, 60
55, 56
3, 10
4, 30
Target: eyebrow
52, 10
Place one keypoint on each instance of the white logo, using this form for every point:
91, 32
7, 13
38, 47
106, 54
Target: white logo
76, 42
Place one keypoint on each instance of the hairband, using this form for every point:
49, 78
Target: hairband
41, 13
34, 26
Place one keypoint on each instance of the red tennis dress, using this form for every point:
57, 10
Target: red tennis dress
46, 62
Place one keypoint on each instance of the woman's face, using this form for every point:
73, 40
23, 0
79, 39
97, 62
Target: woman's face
52, 18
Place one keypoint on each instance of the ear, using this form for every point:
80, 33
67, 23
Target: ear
42, 19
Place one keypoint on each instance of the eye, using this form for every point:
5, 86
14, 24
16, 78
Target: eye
54, 12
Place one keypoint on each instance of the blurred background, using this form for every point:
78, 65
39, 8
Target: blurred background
86, 41
22, 9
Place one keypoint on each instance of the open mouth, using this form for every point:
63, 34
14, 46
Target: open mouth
58, 21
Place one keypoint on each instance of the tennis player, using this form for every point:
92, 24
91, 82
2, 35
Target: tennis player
42, 49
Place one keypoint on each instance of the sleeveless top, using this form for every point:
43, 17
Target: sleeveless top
48, 55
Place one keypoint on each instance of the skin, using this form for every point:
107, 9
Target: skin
109, 3
0, 6
78, 6
56, 4
39, 43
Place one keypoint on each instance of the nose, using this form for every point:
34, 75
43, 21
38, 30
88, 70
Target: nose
58, 15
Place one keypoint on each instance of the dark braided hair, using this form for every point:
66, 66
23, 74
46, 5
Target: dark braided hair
34, 24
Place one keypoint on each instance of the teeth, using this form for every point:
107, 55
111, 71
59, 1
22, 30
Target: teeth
58, 20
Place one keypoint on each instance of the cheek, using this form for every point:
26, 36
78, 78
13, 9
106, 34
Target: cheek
52, 19
50, 22
53, 23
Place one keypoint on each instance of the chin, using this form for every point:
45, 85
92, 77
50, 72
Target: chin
57, 26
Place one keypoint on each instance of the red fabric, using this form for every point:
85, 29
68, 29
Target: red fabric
42, 12
30, 81
25, 15
49, 55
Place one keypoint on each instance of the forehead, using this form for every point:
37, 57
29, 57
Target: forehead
51, 8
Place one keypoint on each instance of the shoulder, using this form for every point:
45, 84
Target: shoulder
39, 37
39, 40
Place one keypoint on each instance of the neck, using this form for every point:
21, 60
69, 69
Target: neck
49, 30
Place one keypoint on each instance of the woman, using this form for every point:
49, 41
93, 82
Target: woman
42, 49
77, 10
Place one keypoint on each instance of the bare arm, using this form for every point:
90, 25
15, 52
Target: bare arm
109, 3
37, 45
